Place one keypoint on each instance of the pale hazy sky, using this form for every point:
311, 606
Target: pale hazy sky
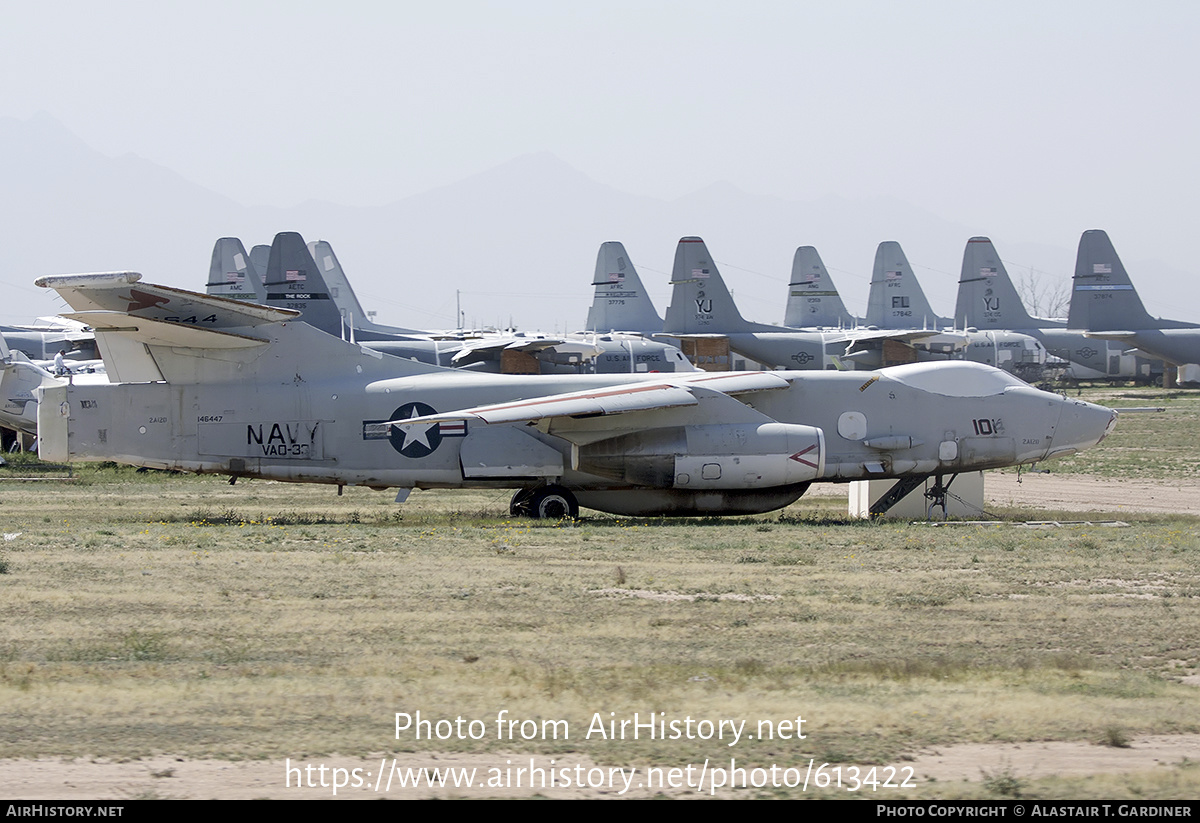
1035, 119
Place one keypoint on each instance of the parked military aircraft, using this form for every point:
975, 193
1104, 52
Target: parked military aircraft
20, 376
51, 335
702, 308
813, 301
294, 280
896, 299
233, 273
1104, 302
214, 385
620, 301
988, 301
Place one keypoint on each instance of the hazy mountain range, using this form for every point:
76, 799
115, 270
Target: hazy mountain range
518, 240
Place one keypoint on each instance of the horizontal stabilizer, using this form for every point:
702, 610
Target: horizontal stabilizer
118, 293
913, 337
1111, 335
88, 280
693, 336
163, 333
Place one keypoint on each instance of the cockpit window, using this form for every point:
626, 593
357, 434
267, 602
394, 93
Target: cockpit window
953, 378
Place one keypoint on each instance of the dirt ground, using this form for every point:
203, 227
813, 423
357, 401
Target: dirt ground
1084, 494
169, 777
1076, 493
177, 778
180, 779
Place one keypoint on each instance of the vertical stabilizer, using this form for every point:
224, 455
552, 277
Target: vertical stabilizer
620, 302
260, 255
700, 302
896, 300
340, 291
813, 301
1102, 296
294, 282
987, 298
232, 272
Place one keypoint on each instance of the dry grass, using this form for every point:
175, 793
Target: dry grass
147, 614
1143, 446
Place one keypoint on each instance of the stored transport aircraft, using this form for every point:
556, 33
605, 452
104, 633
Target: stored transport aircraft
702, 308
813, 301
211, 385
309, 279
1104, 301
988, 301
619, 300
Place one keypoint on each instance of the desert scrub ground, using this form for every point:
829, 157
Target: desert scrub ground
150, 614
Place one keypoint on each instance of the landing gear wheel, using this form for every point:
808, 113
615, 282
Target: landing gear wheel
553, 503
519, 505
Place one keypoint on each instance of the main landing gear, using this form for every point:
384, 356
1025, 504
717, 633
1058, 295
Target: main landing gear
544, 503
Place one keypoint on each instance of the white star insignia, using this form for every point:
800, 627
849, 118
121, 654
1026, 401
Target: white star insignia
412, 435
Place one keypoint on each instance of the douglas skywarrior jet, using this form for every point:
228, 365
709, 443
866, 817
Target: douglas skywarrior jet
988, 301
319, 289
249, 391
1104, 302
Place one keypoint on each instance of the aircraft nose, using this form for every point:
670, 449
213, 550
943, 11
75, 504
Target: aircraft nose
1080, 426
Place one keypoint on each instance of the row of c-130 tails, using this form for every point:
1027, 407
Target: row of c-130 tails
1108, 332
990, 324
900, 326
248, 391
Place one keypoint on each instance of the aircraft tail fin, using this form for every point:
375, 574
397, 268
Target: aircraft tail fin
700, 301
146, 333
294, 281
896, 299
1102, 296
260, 255
987, 298
620, 301
232, 272
338, 285
813, 301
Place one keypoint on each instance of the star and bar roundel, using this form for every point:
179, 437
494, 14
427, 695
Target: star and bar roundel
413, 442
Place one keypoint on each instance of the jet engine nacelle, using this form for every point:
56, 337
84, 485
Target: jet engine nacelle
710, 457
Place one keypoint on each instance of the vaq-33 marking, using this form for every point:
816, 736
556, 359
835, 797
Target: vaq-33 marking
251, 392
